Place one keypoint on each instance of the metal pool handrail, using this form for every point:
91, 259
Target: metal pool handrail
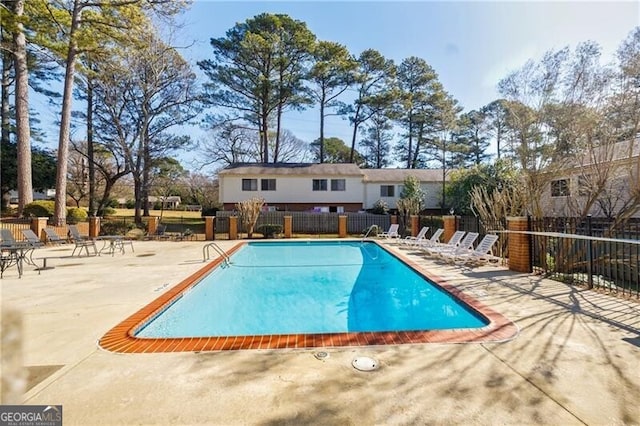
368, 231
217, 249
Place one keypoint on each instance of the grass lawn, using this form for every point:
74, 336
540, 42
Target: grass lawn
166, 214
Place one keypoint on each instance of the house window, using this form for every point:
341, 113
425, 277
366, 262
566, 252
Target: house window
268, 184
560, 188
319, 184
249, 184
338, 185
387, 191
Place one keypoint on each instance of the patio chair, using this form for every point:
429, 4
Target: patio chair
32, 238
7, 237
411, 241
17, 250
431, 242
81, 242
160, 233
481, 254
452, 243
465, 244
392, 232
53, 237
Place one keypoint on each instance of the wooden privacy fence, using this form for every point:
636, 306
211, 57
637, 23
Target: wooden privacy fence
309, 222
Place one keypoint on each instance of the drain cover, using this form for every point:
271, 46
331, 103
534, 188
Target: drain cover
321, 355
364, 363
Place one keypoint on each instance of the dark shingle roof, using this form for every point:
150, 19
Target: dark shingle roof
293, 169
399, 175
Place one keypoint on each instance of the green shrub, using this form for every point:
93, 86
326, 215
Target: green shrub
269, 230
117, 228
209, 211
373, 231
40, 208
135, 234
113, 203
130, 204
380, 207
75, 215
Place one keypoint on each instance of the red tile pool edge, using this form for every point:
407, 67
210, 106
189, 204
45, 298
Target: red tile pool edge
121, 338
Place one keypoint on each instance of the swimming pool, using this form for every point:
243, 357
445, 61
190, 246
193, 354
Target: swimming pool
305, 294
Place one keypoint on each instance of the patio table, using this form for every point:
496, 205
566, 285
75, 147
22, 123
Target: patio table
113, 243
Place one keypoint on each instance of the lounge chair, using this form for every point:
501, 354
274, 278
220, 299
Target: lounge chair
391, 233
7, 237
53, 237
411, 241
161, 233
32, 238
19, 250
431, 242
452, 243
81, 242
465, 244
481, 254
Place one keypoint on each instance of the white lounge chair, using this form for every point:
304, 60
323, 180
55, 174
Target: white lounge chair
411, 241
481, 254
465, 244
391, 233
431, 242
452, 243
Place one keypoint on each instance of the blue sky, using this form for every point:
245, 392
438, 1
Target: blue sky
471, 45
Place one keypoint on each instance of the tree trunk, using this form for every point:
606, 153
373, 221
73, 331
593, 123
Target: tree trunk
90, 156
146, 166
322, 129
276, 148
25, 184
356, 123
5, 123
60, 213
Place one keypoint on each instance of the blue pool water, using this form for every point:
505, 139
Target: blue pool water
311, 287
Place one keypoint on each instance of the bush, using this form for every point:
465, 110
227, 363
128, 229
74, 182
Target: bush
269, 230
130, 204
380, 207
75, 215
117, 228
40, 208
209, 211
373, 231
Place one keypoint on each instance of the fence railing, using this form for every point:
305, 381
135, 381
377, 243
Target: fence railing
474, 224
310, 223
593, 252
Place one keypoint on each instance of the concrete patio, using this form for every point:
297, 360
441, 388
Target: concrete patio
575, 361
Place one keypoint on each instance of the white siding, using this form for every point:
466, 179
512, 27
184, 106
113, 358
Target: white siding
372, 194
291, 189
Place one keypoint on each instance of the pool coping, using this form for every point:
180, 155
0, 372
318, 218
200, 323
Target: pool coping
121, 338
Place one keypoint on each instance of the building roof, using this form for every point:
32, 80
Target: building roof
332, 169
399, 175
327, 169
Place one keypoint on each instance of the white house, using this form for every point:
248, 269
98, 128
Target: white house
603, 181
321, 187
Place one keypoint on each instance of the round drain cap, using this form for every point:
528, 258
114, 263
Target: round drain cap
321, 355
364, 363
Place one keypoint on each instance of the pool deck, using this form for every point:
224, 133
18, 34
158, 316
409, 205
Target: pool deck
576, 359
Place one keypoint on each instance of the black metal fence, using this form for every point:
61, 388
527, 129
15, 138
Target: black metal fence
474, 224
598, 252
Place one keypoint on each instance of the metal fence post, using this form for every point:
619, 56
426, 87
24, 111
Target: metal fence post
589, 254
